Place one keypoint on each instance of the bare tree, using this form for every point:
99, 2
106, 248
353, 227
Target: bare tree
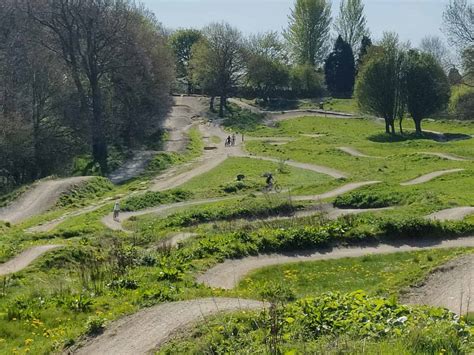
351, 23
435, 46
87, 34
458, 19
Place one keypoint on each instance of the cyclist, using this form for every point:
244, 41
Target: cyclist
269, 181
116, 211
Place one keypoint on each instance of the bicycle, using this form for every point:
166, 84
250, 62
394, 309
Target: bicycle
272, 187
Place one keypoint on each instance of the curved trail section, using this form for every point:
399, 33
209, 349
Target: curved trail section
306, 166
24, 259
228, 274
162, 210
39, 199
354, 152
446, 156
133, 167
452, 214
450, 286
430, 176
149, 328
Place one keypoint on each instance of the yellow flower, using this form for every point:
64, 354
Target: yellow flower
28, 341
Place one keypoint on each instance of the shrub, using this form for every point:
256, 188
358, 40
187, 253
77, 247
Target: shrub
95, 325
126, 284
365, 199
462, 103
95, 187
153, 199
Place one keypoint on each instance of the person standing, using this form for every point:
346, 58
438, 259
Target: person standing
116, 211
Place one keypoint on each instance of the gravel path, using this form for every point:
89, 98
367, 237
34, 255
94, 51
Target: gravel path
336, 192
446, 156
312, 167
173, 240
450, 286
149, 328
40, 198
354, 152
452, 214
162, 210
429, 177
228, 274
24, 259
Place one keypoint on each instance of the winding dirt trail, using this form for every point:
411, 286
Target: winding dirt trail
229, 273
162, 210
149, 328
452, 214
354, 152
446, 156
336, 174
40, 198
336, 192
132, 167
450, 286
25, 258
429, 177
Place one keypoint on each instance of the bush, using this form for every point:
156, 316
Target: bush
95, 325
367, 199
242, 120
462, 103
93, 188
153, 199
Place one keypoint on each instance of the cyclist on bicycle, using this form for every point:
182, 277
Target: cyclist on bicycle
269, 181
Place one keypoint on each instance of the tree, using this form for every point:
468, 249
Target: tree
427, 86
434, 46
351, 23
365, 44
305, 82
458, 21
340, 69
217, 63
468, 66
88, 34
308, 31
182, 42
380, 87
266, 68
454, 76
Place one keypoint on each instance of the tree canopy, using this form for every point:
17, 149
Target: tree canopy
340, 69
351, 23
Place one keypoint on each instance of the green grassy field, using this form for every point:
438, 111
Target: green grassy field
101, 275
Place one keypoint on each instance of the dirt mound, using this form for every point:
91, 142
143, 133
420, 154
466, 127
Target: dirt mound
24, 259
228, 274
452, 214
39, 199
429, 177
450, 286
149, 328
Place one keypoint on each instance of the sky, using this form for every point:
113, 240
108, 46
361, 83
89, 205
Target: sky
412, 20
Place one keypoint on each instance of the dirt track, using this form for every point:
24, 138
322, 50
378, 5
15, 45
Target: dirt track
354, 152
430, 176
228, 274
446, 156
147, 329
450, 286
24, 259
452, 214
38, 199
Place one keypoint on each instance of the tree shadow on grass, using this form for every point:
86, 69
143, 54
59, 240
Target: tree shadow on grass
438, 137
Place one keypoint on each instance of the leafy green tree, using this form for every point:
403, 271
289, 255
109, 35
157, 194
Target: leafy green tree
340, 69
182, 42
305, 82
427, 87
351, 23
266, 68
365, 44
217, 61
308, 31
468, 66
379, 85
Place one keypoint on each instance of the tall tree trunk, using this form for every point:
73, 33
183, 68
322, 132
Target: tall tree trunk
419, 132
99, 144
222, 106
401, 125
211, 103
387, 126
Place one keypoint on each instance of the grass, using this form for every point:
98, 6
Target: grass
376, 274
222, 180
